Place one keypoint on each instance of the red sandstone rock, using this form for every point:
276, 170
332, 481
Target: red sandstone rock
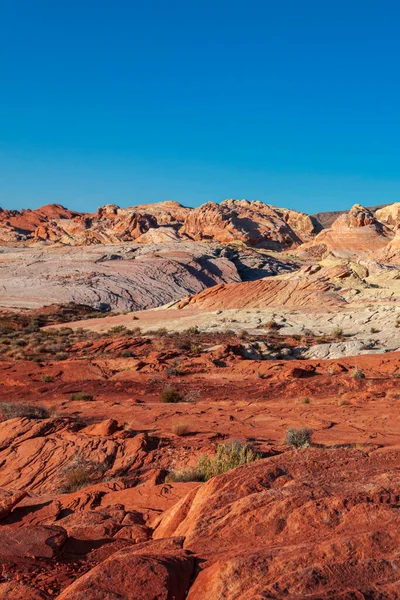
357, 233
254, 223
8, 500
14, 590
103, 429
31, 542
129, 575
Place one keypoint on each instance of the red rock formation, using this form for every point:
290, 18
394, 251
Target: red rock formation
356, 233
389, 215
253, 223
310, 287
294, 526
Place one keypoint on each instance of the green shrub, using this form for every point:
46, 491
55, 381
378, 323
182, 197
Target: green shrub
81, 396
117, 329
75, 479
194, 330
170, 395
47, 378
184, 475
337, 333
11, 410
299, 438
357, 374
228, 456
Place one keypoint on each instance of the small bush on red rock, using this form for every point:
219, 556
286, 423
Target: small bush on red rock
81, 396
228, 456
75, 479
12, 410
181, 428
299, 438
357, 374
170, 395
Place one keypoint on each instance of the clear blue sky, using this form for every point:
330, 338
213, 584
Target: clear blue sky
296, 102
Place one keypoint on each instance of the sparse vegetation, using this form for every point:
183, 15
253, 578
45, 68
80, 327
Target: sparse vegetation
357, 374
175, 370
117, 329
170, 395
181, 428
81, 396
184, 475
337, 333
75, 479
47, 378
272, 325
194, 330
228, 456
12, 410
299, 438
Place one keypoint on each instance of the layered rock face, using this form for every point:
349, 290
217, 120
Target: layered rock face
293, 527
389, 215
253, 223
356, 233
125, 277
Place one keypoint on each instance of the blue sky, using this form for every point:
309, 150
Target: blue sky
295, 103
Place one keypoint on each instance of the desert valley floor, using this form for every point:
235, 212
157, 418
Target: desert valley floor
200, 403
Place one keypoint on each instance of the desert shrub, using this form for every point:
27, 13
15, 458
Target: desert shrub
242, 334
184, 475
306, 400
170, 395
374, 330
11, 410
337, 333
117, 329
126, 354
182, 342
176, 369
299, 438
47, 378
66, 331
194, 330
61, 356
357, 374
75, 479
272, 325
195, 349
181, 428
229, 456
21, 343
54, 348
162, 331
81, 396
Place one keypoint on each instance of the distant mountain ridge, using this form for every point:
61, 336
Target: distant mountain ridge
325, 219
252, 223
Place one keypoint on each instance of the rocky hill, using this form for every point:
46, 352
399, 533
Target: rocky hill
253, 223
